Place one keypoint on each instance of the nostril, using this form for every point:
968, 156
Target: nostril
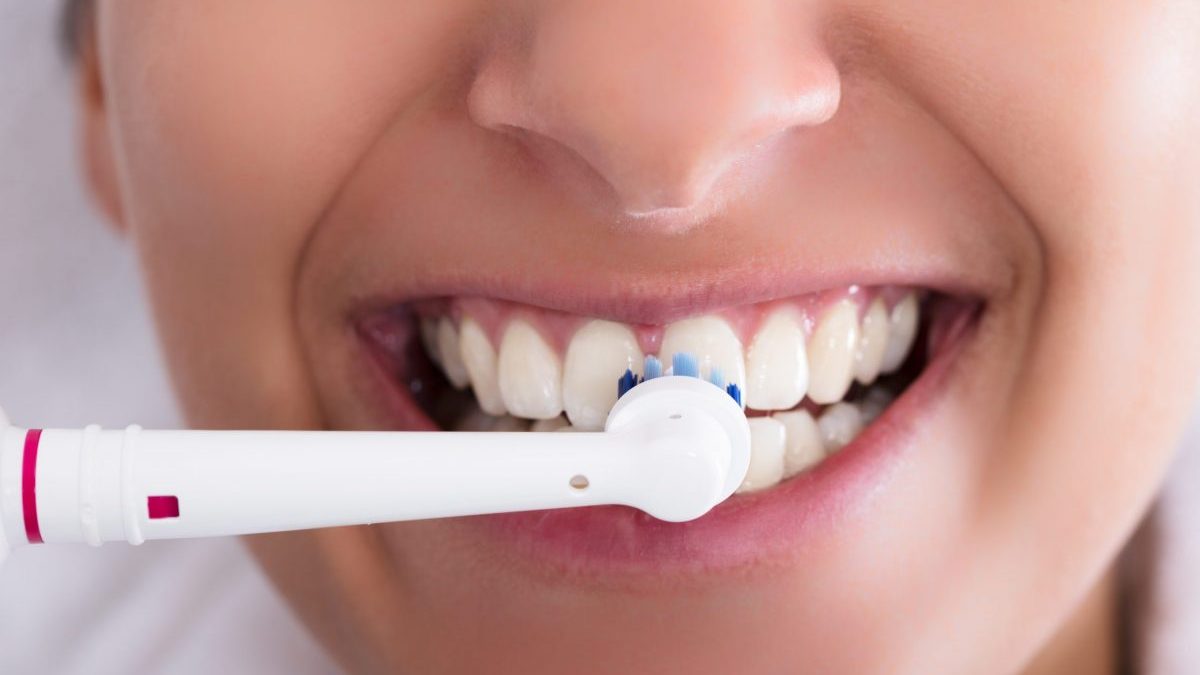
657, 128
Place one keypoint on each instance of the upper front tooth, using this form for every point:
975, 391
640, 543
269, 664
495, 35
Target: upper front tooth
902, 330
804, 445
767, 443
713, 343
530, 373
479, 358
451, 354
777, 364
831, 353
598, 354
868, 358
839, 425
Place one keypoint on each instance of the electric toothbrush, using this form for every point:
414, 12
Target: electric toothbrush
673, 446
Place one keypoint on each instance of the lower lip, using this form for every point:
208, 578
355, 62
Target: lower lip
609, 542
745, 530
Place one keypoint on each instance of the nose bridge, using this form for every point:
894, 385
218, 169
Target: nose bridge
659, 98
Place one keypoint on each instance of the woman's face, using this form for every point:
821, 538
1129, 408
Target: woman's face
312, 185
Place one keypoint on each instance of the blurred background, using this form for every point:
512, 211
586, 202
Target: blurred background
77, 347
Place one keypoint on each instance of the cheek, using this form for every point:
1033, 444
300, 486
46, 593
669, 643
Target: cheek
1104, 170
1082, 116
234, 125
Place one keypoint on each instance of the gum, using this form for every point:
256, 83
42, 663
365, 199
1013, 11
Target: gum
557, 328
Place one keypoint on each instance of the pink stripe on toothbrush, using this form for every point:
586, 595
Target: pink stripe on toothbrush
33, 532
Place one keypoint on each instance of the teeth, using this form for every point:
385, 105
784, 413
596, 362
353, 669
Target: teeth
868, 358
429, 339
839, 425
530, 373
552, 424
714, 344
874, 403
451, 354
475, 419
767, 443
509, 423
598, 354
480, 361
804, 445
831, 353
902, 330
777, 364
526, 385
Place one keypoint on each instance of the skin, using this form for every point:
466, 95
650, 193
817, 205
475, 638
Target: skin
276, 163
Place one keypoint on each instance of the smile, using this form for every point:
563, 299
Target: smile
827, 379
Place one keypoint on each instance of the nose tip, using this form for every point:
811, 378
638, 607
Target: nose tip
679, 169
657, 106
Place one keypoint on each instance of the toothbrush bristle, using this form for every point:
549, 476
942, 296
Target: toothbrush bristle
652, 368
716, 377
626, 382
685, 364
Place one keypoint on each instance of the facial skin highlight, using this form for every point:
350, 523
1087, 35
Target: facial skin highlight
285, 169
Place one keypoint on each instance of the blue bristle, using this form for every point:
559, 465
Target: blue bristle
626, 382
652, 367
685, 365
734, 391
716, 377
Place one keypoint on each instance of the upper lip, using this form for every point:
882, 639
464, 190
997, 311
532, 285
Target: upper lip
661, 298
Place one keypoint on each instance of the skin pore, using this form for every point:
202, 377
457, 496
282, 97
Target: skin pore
284, 167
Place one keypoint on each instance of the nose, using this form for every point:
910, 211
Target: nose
659, 100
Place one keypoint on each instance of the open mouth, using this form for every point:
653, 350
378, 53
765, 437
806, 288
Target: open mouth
811, 372
815, 374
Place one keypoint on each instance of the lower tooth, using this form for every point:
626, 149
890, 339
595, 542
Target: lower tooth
767, 443
874, 403
839, 425
804, 445
510, 423
475, 419
451, 355
552, 424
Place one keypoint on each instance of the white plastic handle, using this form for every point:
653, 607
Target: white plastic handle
674, 447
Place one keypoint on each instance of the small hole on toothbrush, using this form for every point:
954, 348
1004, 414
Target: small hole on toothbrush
579, 482
677, 416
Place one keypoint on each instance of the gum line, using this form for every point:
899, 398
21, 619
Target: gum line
557, 328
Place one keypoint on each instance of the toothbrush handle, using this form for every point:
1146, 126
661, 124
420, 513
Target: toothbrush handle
673, 447
95, 486
243, 482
